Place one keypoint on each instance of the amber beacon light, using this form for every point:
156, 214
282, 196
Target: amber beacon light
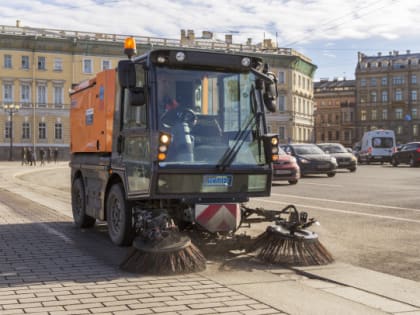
130, 47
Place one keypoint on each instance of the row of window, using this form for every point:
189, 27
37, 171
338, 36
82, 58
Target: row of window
300, 81
25, 93
399, 130
300, 105
398, 113
57, 63
396, 80
398, 96
42, 131
347, 116
399, 64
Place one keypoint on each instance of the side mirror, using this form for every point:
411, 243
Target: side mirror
271, 94
126, 74
136, 96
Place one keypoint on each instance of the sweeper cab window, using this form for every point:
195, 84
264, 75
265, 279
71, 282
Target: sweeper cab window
207, 114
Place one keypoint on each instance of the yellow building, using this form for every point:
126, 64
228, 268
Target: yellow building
39, 66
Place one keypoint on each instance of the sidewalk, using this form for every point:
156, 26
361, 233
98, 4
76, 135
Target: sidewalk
338, 288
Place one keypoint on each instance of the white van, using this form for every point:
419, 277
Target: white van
377, 146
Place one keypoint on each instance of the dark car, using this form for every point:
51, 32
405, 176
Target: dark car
311, 159
344, 158
286, 168
408, 154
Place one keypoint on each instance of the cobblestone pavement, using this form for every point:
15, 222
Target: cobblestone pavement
48, 267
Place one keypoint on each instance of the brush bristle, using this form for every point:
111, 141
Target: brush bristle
186, 260
287, 249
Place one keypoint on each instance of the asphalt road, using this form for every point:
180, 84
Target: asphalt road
370, 218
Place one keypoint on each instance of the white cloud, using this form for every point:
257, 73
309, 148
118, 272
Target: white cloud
293, 23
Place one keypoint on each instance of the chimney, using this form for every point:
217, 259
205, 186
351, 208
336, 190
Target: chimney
228, 38
359, 56
17, 23
268, 44
184, 39
207, 35
190, 35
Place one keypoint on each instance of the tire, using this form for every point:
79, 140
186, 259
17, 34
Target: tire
412, 162
331, 174
78, 205
293, 181
119, 218
394, 162
352, 169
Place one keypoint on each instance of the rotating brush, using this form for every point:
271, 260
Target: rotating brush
289, 243
162, 249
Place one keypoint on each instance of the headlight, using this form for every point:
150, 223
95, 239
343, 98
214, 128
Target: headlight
334, 160
303, 160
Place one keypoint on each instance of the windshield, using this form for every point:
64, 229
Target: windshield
333, 148
307, 149
211, 117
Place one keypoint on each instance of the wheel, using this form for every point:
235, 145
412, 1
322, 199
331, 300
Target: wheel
78, 205
394, 162
352, 169
120, 228
412, 162
331, 174
293, 181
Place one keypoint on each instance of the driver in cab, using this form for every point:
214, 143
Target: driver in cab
178, 119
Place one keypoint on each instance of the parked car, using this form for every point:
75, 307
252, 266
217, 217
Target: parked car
408, 154
286, 168
311, 159
344, 158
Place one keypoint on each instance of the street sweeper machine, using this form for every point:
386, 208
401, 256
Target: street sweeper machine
169, 147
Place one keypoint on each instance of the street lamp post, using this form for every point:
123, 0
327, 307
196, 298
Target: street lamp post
11, 109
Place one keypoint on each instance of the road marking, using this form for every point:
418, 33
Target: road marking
348, 202
343, 211
317, 184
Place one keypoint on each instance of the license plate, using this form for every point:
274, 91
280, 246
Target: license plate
323, 166
281, 172
218, 180
344, 163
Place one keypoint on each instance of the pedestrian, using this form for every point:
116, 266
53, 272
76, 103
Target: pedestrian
55, 155
29, 156
49, 154
24, 153
41, 156
34, 157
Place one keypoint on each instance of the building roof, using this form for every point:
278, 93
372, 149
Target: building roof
334, 84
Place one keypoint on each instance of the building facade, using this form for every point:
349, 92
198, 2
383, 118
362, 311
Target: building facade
387, 89
39, 66
335, 111
294, 119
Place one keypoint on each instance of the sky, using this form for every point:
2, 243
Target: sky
329, 32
